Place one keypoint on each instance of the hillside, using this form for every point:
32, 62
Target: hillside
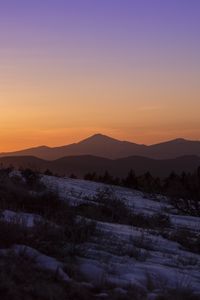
83, 240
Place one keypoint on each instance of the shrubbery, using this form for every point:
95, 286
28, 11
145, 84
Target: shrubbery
105, 206
183, 190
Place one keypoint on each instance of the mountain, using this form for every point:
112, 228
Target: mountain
174, 148
80, 165
107, 147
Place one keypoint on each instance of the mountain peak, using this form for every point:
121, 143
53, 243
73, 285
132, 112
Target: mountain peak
180, 140
98, 137
101, 136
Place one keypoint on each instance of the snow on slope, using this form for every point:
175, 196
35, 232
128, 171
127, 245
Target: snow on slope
26, 219
130, 255
75, 191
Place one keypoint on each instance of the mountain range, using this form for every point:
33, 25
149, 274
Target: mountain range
107, 147
80, 165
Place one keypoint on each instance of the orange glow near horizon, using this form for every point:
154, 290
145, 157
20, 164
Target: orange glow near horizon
41, 127
41, 113
12, 140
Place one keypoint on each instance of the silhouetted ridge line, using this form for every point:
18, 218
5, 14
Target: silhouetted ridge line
104, 146
80, 165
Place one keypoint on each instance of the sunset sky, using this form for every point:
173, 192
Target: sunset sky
71, 68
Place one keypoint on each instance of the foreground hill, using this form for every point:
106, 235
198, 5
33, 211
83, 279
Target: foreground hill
79, 240
104, 146
80, 165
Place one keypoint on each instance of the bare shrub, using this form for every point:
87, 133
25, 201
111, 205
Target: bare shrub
21, 279
186, 238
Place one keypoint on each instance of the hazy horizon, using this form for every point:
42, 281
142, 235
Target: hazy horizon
70, 69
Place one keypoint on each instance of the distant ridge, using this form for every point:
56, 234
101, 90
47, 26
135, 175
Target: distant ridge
80, 165
107, 147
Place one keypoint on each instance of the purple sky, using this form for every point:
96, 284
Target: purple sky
95, 55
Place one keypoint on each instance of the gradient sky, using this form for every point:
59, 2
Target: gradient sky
72, 68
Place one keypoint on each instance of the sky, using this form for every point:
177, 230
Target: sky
72, 68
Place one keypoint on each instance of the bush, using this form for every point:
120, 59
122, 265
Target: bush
50, 239
32, 179
21, 279
106, 207
178, 294
187, 239
12, 233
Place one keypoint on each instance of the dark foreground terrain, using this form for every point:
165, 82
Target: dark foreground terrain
64, 238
